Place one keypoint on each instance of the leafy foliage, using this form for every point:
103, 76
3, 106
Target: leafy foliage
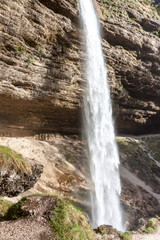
127, 235
151, 226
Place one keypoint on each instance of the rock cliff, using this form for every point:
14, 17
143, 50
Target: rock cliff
42, 73
40, 67
132, 45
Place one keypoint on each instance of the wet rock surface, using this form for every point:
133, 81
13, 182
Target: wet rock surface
140, 178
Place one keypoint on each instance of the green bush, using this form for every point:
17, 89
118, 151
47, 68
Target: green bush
148, 230
127, 235
151, 225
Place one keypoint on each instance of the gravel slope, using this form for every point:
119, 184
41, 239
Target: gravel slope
36, 228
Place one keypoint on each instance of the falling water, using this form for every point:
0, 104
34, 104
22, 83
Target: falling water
104, 159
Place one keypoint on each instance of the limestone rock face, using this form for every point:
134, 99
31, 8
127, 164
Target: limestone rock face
42, 75
40, 67
131, 45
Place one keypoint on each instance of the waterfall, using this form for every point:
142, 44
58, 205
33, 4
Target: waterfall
99, 128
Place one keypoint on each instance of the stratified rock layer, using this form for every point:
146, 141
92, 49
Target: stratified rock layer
42, 75
40, 68
132, 47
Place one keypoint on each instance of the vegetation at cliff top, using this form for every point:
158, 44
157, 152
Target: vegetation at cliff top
10, 159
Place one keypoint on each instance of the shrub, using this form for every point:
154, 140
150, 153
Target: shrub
151, 226
127, 235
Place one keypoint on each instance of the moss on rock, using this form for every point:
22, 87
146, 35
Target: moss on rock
10, 159
151, 225
4, 206
127, 235
15, 211
69, 222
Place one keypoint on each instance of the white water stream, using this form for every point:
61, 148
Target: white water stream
104, 159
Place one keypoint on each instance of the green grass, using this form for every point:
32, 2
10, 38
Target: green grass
10, 159
126, 236
148, 230
69, 223
4, 206
42, 194
151, 225
134, 55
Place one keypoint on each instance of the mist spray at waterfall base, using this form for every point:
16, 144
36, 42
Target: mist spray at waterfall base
99, 128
